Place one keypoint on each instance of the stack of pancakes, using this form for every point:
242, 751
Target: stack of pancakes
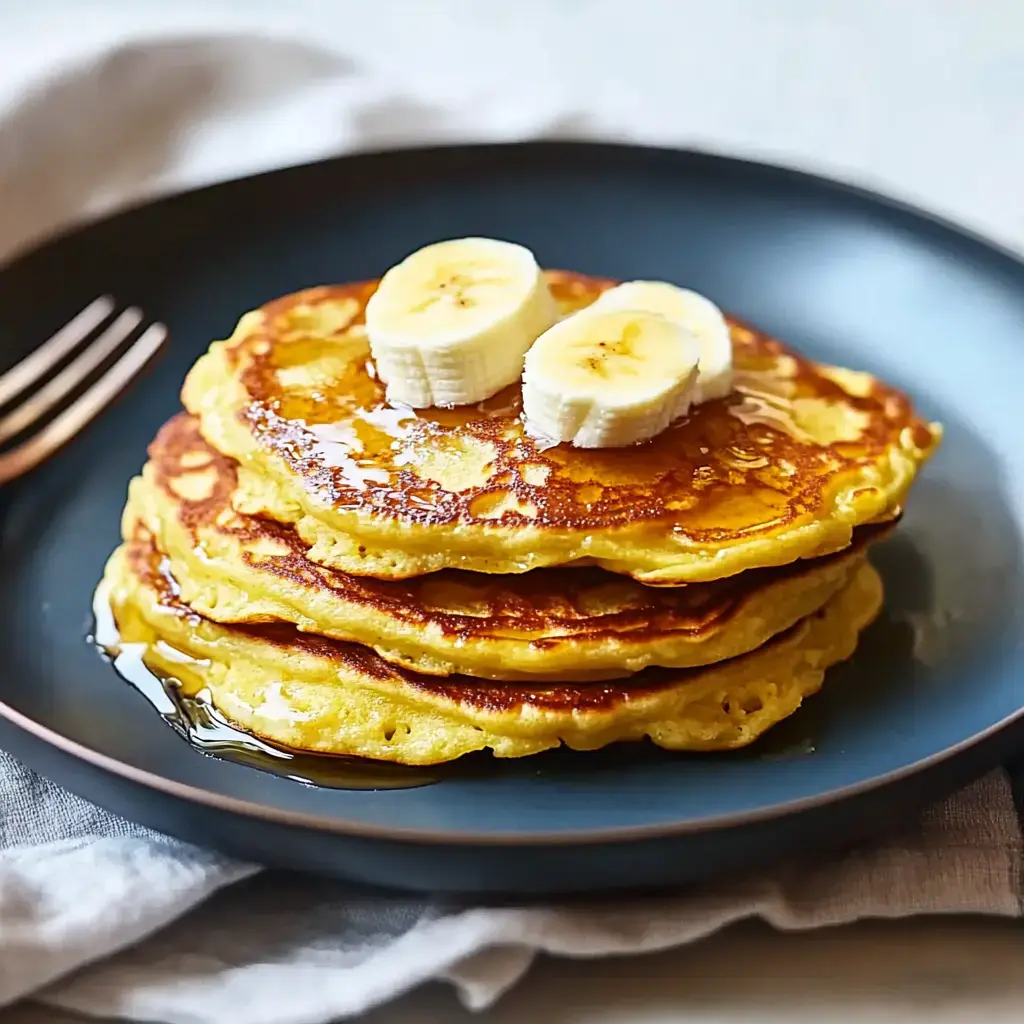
337, 575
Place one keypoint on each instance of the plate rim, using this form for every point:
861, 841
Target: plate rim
344, 827
781, 170
623, 834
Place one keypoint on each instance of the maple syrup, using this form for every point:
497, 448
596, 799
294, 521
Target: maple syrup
196, 720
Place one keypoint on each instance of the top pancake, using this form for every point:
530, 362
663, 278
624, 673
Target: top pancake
784, 468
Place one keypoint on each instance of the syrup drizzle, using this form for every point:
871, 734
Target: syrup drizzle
197, 721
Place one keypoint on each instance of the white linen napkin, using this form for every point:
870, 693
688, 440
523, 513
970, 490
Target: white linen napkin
82, 889
109, 102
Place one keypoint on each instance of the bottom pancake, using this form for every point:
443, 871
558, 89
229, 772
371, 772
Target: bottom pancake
307, 693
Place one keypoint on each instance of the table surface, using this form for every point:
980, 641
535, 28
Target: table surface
920, 99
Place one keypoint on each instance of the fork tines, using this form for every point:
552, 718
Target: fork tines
92, 338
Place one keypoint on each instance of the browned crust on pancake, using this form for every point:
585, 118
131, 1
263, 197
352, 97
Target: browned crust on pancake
543, 601
735, 467
151, 569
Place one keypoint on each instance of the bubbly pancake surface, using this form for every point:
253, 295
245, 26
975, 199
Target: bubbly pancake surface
565, 624
313, 694
784, 468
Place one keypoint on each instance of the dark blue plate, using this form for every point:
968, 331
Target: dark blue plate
930, 699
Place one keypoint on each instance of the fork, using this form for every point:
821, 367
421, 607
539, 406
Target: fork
34, 369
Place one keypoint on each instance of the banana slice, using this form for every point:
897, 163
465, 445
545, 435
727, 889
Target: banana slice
608, 379
698, 315
451, 323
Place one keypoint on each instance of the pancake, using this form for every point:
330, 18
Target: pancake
784, 468
308, 693
565, 624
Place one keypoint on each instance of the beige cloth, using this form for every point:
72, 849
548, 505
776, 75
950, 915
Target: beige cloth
81, 887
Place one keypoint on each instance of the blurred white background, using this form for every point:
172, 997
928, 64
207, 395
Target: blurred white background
920, 98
